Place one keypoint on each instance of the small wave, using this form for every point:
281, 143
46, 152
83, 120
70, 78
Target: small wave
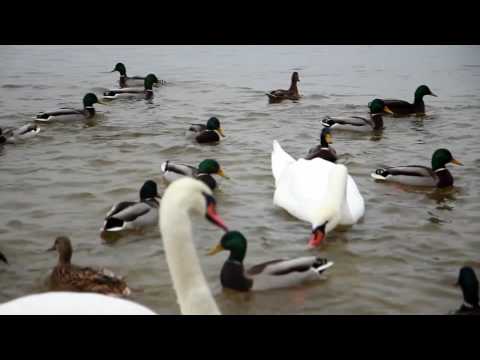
15, 86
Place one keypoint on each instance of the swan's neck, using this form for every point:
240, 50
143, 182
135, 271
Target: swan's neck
193, 293
332, 207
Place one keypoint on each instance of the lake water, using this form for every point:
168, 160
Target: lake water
402, 258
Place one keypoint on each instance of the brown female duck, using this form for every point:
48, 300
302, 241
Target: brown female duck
68, 277
276, 96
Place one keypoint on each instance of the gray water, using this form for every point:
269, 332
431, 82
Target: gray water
402, 258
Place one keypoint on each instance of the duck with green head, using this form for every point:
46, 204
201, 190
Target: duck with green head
467, 280
66, 276
324, 150
416, 175
173, 171
130, 215
401, 107
210, 133
145, 93
276, 96
271, 274
135, 81
359, 123
69, 114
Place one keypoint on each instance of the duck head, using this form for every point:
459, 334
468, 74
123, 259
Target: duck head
326, 137
149, 190
63, 246
214, 124
468, 282
90, 99
423, 90
377, 106
441, 157
210, 166
149, 81
232, 241
120, 68
295, 77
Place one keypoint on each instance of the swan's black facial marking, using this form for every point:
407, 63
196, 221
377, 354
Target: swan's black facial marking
212, 214
318, 235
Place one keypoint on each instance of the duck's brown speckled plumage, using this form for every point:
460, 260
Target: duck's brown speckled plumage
68, 277
276, 96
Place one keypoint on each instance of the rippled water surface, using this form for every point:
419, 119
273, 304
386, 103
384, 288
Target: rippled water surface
402, 258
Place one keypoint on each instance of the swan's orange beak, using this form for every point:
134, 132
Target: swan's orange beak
318, 235
213, 217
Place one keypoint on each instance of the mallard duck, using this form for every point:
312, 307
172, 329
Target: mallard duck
401, 107
204, 172
416, 175
3, 258
276, 96
66, 276
132, 92
358, 123
212, 132
134, 215
68, 114
316, 191
324, 150
13, 135
271, 274
134, 81
468, 282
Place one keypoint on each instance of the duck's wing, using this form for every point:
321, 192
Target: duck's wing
197, 127
127, 214
181, 169
415, 175
119, 207
60, 112
127, 90
330, 121
95, 280
207, 136
278, 93
287, 266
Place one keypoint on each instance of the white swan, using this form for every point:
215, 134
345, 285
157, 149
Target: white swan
316, 191
181, 198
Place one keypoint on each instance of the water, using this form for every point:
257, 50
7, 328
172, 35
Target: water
404, 256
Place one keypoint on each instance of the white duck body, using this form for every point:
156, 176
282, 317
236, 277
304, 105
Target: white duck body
124, 93
315, 190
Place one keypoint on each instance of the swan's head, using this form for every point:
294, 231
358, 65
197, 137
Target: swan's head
195, 197
327, 220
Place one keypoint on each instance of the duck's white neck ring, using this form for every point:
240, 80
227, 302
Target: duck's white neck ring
441, 169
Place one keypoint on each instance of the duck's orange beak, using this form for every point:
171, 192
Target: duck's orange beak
456, 162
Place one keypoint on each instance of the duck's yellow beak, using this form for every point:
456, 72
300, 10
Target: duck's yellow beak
222, 174
216, 249
220, 130
387, 110
103, 102
329, 138
456, 162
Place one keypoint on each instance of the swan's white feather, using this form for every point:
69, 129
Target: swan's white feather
71, 303
310, 189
